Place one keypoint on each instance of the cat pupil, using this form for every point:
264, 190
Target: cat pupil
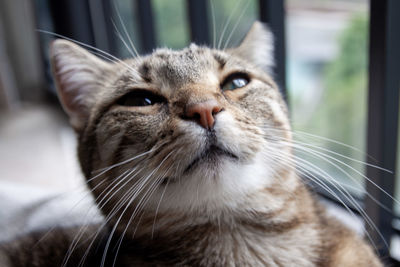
140, 98
137, 101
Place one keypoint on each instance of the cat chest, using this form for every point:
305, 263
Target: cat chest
294, 248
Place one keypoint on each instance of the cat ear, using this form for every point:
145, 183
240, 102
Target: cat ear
258, 47
78, 77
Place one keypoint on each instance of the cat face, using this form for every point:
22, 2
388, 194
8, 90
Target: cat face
196, 129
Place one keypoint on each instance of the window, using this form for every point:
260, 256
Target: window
327, 84
230, 20
171, 23
123, 19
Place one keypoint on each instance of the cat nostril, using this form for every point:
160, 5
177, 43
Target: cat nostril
216, 110
203, 113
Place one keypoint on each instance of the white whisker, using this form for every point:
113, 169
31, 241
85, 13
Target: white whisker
133, 71
125, 30
213, 22
236, 25
127, 206
227, 24
122, 39
311, 168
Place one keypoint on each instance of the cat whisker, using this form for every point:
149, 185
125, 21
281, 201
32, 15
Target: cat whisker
87, 219
310, 168
213, 22
127, 206
322, 155
89, 192
129, 199
162, 195
128, 195
343, 156
157, 180
328, 150
305, 147
309, 151
302, 134
236, 24
103, 54
104, 170
125, 31
139, 207
123, 198
297, 132
100, 205
122, 39
117, 181
227, 24
116, 208
348, 196
129, 178
146, 196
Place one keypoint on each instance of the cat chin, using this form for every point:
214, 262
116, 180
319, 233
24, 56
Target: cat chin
224, 188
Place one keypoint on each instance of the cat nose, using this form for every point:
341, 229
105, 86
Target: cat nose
203, 113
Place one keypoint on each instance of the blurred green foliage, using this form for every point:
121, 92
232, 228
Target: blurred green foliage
228, 22
172, 29
341, 112
232, 20
229, 19
344, 110
346, 86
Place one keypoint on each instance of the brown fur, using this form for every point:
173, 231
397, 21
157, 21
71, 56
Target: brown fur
245, 209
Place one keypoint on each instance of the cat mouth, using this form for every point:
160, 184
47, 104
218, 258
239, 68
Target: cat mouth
210, 156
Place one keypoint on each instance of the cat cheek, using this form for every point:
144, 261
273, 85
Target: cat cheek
236, 95
106, 147
280, 118
145, 110
229, 133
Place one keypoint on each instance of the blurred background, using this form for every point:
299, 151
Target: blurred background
322, 52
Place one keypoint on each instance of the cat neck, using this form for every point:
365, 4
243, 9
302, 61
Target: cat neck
251, 238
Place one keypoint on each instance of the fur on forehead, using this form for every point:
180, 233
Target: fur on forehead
190, 63
177, 67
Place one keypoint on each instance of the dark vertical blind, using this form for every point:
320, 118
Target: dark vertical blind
146, 25
72, 19
383, 110
198, 19
272, 12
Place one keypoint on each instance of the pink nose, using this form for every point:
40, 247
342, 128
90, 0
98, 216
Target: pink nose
203, 113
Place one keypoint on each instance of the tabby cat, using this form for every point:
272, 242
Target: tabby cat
196, 166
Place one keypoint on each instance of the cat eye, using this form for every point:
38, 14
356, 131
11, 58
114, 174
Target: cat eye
140, 98
234, 81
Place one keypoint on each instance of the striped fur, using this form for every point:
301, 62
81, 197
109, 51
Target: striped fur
250, 209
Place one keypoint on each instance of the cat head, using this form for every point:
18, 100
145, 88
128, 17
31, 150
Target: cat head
198, 129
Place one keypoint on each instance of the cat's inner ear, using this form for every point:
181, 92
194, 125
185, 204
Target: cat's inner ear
79, 78
257, 47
